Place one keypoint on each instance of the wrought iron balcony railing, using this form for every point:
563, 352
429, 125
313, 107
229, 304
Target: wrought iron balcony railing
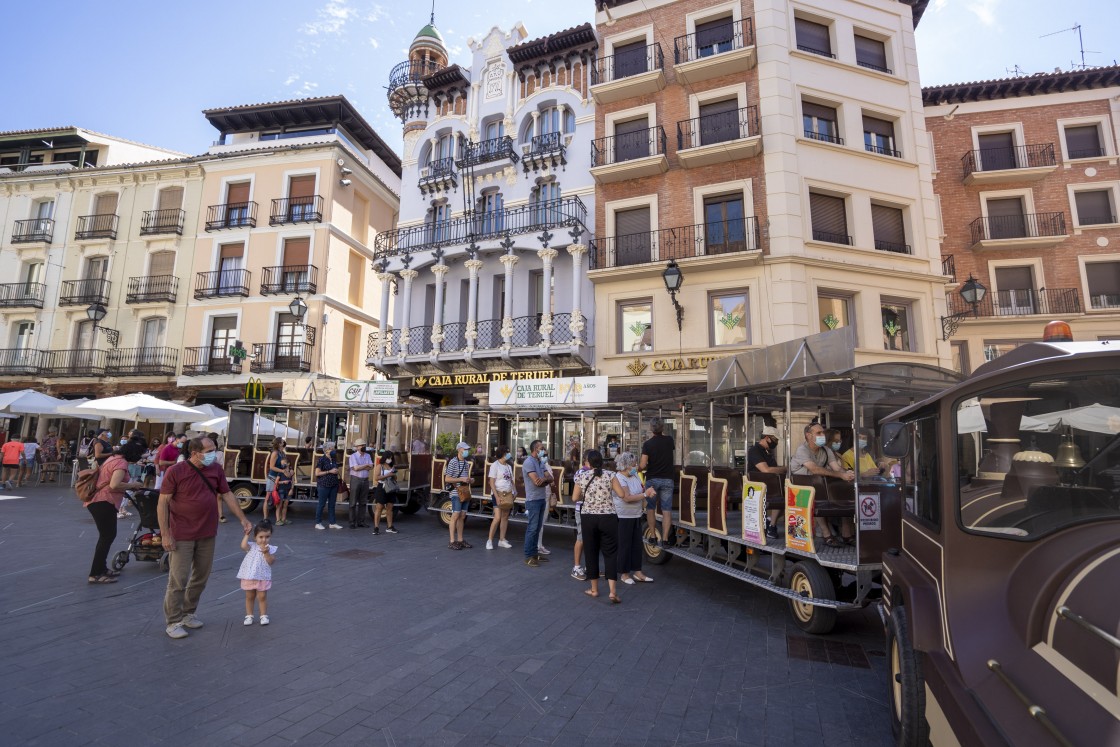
526, 333
1001, 159
168, 220
547, 149
437, 175
718, 128
411, 72
222, 283
33, 231
736, 35
532, 218
814, 50
296, 210
209, 361
22, 295
84, 292
1024, 226
832, 237
627, 64
289, 279
882, 150
486, 151
1104, 301
949, 266
824, 137
143, 361
1048, 301
20, 361
96, 227
892, 246
231, 215
152, 288
279, 357
73, 362
628, 146
701, 240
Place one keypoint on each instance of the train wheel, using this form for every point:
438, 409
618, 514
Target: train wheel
654, 553
411, 506
810, 580
120, 560
445, 511
907, 688
245, 496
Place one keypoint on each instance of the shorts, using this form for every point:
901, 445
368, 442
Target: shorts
664, 488
249, 584
382, 496
11, 466
456, 504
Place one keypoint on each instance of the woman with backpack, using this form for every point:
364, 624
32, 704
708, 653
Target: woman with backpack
109, 485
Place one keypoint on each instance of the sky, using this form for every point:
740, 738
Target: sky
145, 70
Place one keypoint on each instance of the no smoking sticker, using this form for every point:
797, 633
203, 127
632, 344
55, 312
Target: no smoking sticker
869, 514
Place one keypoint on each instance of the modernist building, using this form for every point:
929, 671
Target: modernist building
97, 233
776, 154
487, 271
1026, 174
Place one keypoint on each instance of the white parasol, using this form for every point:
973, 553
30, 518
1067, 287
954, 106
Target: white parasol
261, 426
29, 402
136, 407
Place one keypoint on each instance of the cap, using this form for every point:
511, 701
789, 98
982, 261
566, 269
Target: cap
462, 445
770, 430
360, 442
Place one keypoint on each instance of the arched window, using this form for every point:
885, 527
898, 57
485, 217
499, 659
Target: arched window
490, 217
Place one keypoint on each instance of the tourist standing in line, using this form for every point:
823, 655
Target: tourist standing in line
657, 463
629, 497
501, 498
105, 504
383, 494
600, 524
579, 573
457, 479
538, 477
326, 486
361, 463
280, 474
168, 456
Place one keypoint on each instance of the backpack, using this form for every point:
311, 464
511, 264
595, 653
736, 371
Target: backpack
85, 486
84, 448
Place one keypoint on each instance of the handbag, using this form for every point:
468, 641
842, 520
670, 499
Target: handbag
464, 492
505, 498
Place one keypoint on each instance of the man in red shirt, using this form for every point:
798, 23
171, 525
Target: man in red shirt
188, 523
168, 455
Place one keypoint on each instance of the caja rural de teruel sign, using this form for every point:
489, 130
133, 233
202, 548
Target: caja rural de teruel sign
577, 389
369, 392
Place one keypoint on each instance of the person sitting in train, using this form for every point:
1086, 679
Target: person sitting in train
869, 468
812, 458
760, 458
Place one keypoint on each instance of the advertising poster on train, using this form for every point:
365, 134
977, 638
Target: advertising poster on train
754, 509
799, 517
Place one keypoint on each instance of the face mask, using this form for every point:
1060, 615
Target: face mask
362, 449
543, 454
209, 458
462, 453
836, 447
819, 440
108, 436
863, 443
508, 456
633, 471
124, 441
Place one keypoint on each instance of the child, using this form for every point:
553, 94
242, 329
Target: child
256, 570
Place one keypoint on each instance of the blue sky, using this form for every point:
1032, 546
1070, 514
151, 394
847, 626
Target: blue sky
144, 70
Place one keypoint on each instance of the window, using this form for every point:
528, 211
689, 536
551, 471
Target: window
301, 197
96, 268
237, 204
310, 132
439, 222
631, 139
1084, 141
105, 204
1006, 218
1094, 207
294, 277
813, 37
724, 224
223, 334
22, 335
714, 37
636, 327
231, 258
161, 264
494, 129
878, 136
835, 311
890, 229
719, 121
920, 472
871, 53
960, 358
171, 198
997, 151
85, 335
289, 341
152, 333
820, 122
490, 216
729, 322
71, 157
1015, 294
630, 59
632, 245
556, 119
546, 203
995, 348
829, 218
359, 221
1104, 284
32, 274
44, 210
896, 326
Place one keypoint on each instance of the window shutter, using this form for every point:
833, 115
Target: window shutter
813, 36
1083, 141
229, 251
997, 151
1008, 207
1014, 278
888, 225
106, 204
238, 193
299, 186
162, 263
719, 107
828, 216
878, 127
631, 221
630, 59
1104, 278
296, 252
712, 33
631, 140
1093, 207
871, 52
171, 198
809, 109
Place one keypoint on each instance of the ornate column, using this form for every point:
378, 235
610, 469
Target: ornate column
440, 271
406, 309
546, 255
536, 123
386, 279
576, 325
473, 266
509, 260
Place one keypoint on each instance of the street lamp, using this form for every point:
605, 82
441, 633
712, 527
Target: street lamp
298, 308
673, 278
973, 292
96, 312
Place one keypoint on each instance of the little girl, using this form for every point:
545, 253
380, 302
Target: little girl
256, 570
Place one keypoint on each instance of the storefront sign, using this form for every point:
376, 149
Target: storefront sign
799, 517
487, 377
371, 392
671, 365
754, 509
556, 391
254, 390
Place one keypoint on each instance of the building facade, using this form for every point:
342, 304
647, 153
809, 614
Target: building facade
487, 271
1026, 172
775, 153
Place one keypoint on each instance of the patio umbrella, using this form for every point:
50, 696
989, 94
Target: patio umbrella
210, 411
1096, 418
261, 426
29, 402
136, 407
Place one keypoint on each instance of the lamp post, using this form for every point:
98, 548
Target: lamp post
673, 278
973, 292
96, 312
298, 309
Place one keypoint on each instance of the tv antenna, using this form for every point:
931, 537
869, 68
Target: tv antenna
1016, 71
1080, 42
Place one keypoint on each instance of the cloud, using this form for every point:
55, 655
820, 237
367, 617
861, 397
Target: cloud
331, 19
984, 10
374, 43
293, 78
939, 5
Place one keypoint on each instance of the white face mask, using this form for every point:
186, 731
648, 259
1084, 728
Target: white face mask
863, 443
819, 440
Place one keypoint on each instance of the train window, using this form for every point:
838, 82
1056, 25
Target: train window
919, 472
1036, 457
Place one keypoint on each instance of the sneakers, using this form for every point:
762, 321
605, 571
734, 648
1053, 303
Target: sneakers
542, 559
190, 621
377, 530
489, 544
533, 562
578, 573
542, 550
248, 620
391, 530
264, 620
176, 630
320, 526
771, 531
504, 543
336, 526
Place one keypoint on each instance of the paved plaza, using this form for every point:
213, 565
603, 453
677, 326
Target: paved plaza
396, 640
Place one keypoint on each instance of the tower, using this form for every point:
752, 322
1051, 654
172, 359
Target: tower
408, 96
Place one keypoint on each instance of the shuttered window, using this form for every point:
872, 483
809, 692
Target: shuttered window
237, 192
631, 140
890, 229
997, 151
830, 223
296, 252
106, 204
1104, 284
1005, 218
162, 263
871, 53
820, 122
629, 59
719, 121
1083, 141
299, 186
230, 251
1014, 278
1094, 208
713, 37
878, 136
812, 37
171, 198
632, 237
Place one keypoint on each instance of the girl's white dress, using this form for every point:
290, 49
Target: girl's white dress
254, 567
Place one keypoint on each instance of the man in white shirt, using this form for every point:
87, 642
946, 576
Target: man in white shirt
360, 465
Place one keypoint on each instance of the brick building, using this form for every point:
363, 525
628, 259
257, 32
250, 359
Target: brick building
1026, 173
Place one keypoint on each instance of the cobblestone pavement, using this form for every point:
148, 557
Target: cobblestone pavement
396, 640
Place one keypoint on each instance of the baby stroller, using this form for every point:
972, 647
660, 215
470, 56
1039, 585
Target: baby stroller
145, 543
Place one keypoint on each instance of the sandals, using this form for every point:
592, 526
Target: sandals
849, 541
832, 541
465, 545
591, 594
455, 546
102, 579
615, 600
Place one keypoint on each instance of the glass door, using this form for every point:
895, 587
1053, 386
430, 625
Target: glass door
289, 343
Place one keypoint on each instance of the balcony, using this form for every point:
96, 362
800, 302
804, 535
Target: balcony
1023, 163
700, 57
831, 237
289, 279
949, 267
488, 151
84, 292
629, 156
33, 231
231, 215
209, 361
22, 295
545, 151
1047, 302
526, 334
73, 362
532, 218
19, 362
96, 227
737, 236
438, 176
152, 289
143, 361
296, 210
282, 357
628, 74
718, 138
892, 246
222, 283
168, 220
406, 85
1025, 231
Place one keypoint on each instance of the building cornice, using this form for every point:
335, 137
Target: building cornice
1029, 85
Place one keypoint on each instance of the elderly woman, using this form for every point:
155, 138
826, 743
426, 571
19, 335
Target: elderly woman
600, 523
629, 495
112, 481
